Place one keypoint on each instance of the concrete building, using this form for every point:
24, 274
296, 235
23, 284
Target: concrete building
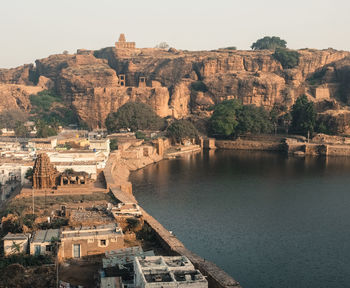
79, 242
41, 241
80, 161
99, 145
159, 271
124, 256
15, 243
14, 172
42, 143
126, 209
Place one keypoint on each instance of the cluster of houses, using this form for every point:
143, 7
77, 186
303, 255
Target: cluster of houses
129, 267
90, 153
72, 242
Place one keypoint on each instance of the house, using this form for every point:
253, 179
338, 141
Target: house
126, 209
77, 242
15, 243
42, 143
99, 145
171, 271
41, 242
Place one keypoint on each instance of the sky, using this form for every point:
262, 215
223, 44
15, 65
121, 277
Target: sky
35, 29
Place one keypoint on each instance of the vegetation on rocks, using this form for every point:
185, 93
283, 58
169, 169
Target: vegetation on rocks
181, 129
231, 118
49, 107
269, 43
288, 58
134, 116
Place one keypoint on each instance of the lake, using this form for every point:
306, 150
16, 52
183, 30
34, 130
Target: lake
267, 219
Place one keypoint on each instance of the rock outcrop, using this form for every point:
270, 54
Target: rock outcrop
176, 83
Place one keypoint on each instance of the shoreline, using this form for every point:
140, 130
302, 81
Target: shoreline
117, 173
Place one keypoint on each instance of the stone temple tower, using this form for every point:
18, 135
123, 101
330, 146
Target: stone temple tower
122, 44
44, 173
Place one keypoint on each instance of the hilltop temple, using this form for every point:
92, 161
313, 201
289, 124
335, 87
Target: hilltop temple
123, 44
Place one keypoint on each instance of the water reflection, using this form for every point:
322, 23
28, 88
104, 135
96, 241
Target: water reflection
268, 219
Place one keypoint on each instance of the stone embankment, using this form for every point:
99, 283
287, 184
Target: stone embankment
117, 173
296, 146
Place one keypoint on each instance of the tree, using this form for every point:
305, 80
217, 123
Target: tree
29, 173
163, 45
288, 58
232, 118
224, 121
253, 119
44, 130
303, 116
269, 43
135, 116
21, 130
182, 129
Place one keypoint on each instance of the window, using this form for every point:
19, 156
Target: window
48, 248
103, 242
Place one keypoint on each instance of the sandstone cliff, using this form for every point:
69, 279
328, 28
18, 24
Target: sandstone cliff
176, 83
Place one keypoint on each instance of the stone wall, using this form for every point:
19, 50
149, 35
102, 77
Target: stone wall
248, 145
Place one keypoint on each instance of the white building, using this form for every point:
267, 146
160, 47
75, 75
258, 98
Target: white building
42, 143
41, 241
15, 243
80, 161
14, 172
99, 145
163, 272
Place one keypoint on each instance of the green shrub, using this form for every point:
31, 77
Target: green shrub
229, 48
113, 144
182, 129
199, 86
140, 135
288, 58
44, 100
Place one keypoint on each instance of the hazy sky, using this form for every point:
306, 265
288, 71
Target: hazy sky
34, 29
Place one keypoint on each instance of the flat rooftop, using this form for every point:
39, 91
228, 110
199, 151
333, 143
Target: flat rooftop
42, 236
90, 231
16, 236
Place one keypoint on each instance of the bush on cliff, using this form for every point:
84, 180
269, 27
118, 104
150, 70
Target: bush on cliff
269, 43
288, 58
134, 116
303, 116
181, 129
231, 118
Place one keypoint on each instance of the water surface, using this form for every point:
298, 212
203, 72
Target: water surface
267, 219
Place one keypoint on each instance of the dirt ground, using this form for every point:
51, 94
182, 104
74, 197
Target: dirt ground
80, 272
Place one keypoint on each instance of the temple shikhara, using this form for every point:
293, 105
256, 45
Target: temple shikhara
123, 44
44, 173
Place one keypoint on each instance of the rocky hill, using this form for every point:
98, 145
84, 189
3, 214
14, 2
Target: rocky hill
178, 83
